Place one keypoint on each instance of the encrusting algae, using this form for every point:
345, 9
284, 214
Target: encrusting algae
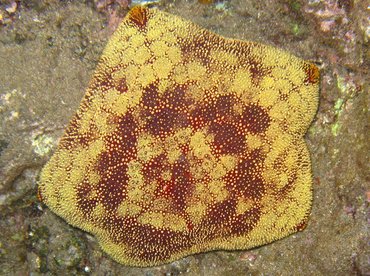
185, 142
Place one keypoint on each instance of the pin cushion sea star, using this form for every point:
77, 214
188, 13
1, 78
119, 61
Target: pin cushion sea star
185, 142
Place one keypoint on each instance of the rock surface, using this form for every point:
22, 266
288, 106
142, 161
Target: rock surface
48, 51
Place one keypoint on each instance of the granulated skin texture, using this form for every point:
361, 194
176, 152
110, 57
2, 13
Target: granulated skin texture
185, 142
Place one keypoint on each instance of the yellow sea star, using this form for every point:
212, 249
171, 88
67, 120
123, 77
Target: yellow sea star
185, 142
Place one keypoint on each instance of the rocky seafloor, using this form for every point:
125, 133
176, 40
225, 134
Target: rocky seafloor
48, 51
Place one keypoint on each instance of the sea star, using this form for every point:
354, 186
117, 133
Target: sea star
186, 142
